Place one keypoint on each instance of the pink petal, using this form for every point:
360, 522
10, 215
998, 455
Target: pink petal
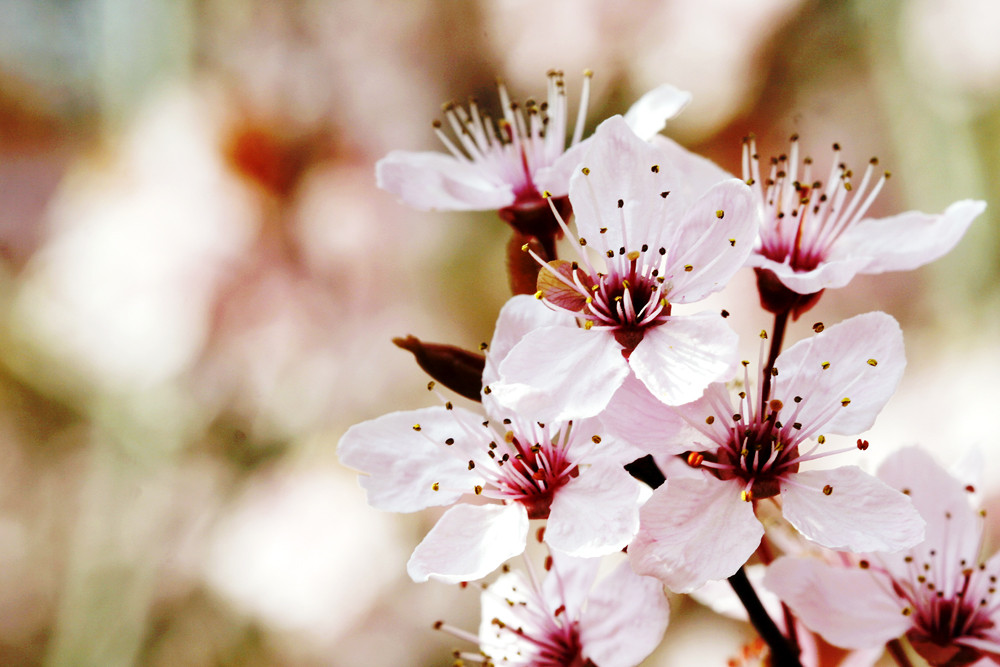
700, 173
692, 531
431, 181
569, 582
595, 514
625, 618
953, 525
555, 177
678, 359
705, 250
468, 542
720, 598
866, 361
859, 514
521, 315
637, 417
561, 373
832, 273
651, 112
620, 167
908, 240
849, 608
402, 464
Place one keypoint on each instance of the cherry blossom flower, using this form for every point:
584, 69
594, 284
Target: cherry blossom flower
698, 529
569, 619
940, 593
815, 235
563, 471
507, 164
659, 247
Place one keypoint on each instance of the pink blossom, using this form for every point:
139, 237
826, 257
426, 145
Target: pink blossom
659, 245
816, 235
563, 471
508, 163
569, 619
698, 529
940, 593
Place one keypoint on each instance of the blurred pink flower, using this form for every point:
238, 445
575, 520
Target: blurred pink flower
661, 246
508, 163
569, 619
563, 471
698, 529
939, 593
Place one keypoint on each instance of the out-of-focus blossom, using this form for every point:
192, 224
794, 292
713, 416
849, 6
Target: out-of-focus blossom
696, 530
122, 290
279, 554
563, 471
815, 235
951, 45
569, 619
507, 164
660, 247
940, 593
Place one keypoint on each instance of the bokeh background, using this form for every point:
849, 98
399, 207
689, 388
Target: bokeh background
199, 282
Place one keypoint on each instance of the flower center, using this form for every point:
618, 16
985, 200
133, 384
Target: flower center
627, 298
802, 217
523, 140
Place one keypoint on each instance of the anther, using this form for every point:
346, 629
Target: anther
710, 420
695, 459
655, 169
724, 313
596, 439
827, 490
720, 213
825, 365
862, 444
872, 362
845, 401
818, 327
621, 203
416, 427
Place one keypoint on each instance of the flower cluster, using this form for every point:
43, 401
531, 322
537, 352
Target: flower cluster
615, 416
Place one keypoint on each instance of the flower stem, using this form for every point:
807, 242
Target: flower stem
782, 653
898, 653
777, 339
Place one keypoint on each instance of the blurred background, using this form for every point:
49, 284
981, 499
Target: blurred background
199, 282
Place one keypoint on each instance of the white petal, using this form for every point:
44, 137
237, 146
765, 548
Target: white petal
678, 359
402, 464
908, 240
866, 361
699, 172
704, 250
625, 618
468, 542
521, 315
849, 608
860, 513
561, 373
693, 531
555, 177
651, 112
431, 181
595, 514
620, 166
